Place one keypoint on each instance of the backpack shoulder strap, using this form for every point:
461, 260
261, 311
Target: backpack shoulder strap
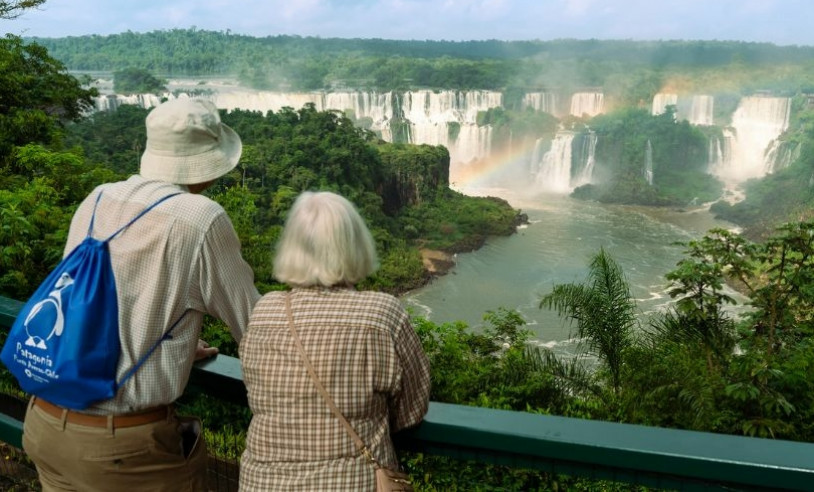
93, 215
166, 336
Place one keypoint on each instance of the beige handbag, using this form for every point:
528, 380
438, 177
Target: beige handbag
386, 479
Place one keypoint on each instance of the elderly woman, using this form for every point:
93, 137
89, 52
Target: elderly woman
361, 345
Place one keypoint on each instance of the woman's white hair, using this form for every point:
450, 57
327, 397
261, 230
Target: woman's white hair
325, 242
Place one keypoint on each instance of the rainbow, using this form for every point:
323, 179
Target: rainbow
491, 168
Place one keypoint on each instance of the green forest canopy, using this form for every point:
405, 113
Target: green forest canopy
311, 62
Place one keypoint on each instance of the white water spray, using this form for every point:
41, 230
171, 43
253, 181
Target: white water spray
587, 103
554, 169
756, 123
648, 162
661, 101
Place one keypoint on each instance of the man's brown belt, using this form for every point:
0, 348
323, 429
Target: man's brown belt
128, 420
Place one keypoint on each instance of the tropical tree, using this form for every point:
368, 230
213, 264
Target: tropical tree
603, 310
36, 95
699, 317
15, 8
708, 370
40, 182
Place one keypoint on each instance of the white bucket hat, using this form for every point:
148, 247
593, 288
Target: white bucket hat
188, 144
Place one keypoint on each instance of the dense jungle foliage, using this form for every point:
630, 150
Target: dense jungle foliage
137, 81
694, 367
627, 69
679, 160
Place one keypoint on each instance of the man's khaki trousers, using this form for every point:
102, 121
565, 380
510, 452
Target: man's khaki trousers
147, 457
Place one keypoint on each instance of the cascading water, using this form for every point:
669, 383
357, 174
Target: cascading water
781, 154
585, 159
648, 162
716, 153
701, 110
421, 107
376, 106
449, 118
756, 123
553, 171
474, 142
661, 101
426, 117
587, 104
696, 109
112, 102
541, 101
264, 101
430, 113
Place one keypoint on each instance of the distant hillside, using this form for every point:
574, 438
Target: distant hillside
311, 62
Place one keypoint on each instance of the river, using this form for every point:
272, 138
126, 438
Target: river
556, 247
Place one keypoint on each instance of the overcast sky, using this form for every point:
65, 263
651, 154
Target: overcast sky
781, 22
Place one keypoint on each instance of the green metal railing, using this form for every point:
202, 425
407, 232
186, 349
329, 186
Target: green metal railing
657, 457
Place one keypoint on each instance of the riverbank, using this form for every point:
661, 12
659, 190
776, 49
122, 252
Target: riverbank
437, 262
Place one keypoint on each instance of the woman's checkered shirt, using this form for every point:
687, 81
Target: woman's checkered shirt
368, 357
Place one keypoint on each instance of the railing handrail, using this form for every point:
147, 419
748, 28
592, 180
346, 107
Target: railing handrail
648, 455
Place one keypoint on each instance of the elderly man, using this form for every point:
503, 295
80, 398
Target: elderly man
177, 263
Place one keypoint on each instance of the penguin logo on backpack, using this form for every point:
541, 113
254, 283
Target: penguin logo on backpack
38, 331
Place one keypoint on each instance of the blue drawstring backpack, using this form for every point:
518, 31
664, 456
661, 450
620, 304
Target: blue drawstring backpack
64, 344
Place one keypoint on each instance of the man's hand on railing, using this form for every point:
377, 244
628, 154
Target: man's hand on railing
204, 351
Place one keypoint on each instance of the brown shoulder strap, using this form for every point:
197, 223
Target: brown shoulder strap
359, 443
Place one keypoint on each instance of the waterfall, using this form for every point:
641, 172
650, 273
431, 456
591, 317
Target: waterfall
554, 169
429, 114
648, 162
264, 101
701, 110
473, 143
376, 106
541, 101
715, 155
585, 160
537, 156
721, 155
429, 107
450, 118
661, 101
587, 104
756, 123
781, 154
106, 103
112, 102
696, 109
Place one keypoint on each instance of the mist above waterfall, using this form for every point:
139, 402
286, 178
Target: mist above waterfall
661, 101
587, 103
553, 167
756, 123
